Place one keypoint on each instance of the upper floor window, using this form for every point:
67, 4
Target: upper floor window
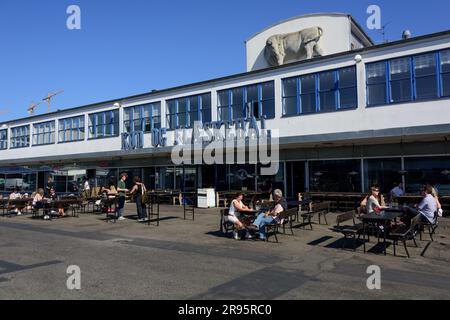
44, 133
3, 139
184, 112
406, 79
71, 129
104, 124
142, 118
322, 92
20, 137
445, 73
251, 101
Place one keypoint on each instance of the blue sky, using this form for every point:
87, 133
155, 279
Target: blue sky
134, 46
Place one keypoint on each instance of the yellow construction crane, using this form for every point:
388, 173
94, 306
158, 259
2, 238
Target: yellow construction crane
32, 107
49, 97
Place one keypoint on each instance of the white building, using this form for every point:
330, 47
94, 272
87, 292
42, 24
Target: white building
360, 114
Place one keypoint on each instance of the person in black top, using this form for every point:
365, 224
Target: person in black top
138, 191
50, 185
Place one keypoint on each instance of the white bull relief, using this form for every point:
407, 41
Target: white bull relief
292, 46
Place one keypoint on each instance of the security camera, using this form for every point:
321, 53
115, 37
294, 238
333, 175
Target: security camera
358, 58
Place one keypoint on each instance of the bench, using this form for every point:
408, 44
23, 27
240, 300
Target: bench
349, 231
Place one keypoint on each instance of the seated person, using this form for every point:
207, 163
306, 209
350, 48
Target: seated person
233, 215
438, 203
373, 203
397, 191
38, 202
272, 216
54, 197
15, 195
428, 206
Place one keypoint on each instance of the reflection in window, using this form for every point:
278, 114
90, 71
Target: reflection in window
400, 80
44, 133
426, 80
104, 124
445, 72
184, 112
421, 171
142, 118
252, 101
384, 172
323, 92
335, 176
71, 129
20, 137
3, 139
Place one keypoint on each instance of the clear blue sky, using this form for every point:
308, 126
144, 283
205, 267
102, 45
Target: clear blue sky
134, 46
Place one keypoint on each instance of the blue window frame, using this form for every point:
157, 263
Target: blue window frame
20, 137
425, 76
444, 70
3, 139
44, 133
71, 129
104, 124
142, 118
320, 92
256, 100
184, 112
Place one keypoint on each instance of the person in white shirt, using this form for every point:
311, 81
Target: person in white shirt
397, 191
14, 196
86, 188
236, 207
373, 205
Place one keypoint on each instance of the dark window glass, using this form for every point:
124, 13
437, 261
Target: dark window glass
445, 69
400, 72
347, 88
425, 76
335, 176
432, 170
308, 94
376, 84
384, 172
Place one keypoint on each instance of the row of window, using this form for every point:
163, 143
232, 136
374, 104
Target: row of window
415, 78
250, 101
321, 92
184, 112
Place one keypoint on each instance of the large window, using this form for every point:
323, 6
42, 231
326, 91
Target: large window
3, 139
412, 78
433, 170
143, 118
44, 133
71, 129
104, 124
322, 92
251, 101
20, 137
183, 112
335, 176
384, 172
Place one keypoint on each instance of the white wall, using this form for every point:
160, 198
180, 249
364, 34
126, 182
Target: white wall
336, 37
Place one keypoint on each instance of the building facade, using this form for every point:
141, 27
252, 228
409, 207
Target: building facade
357, 115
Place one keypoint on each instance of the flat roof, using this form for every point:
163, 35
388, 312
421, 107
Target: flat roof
236, 76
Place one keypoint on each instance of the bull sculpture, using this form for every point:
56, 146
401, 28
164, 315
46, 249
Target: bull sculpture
290, 46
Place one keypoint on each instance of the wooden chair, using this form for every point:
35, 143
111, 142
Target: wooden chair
223, 199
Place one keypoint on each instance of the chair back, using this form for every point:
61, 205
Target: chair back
350, 215
289, 213
225, 212
415, 221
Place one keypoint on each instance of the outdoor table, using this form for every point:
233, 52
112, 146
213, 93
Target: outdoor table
384, 219
20, 204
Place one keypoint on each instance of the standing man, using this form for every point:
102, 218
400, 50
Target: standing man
49, 186
122, 190
86, 188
